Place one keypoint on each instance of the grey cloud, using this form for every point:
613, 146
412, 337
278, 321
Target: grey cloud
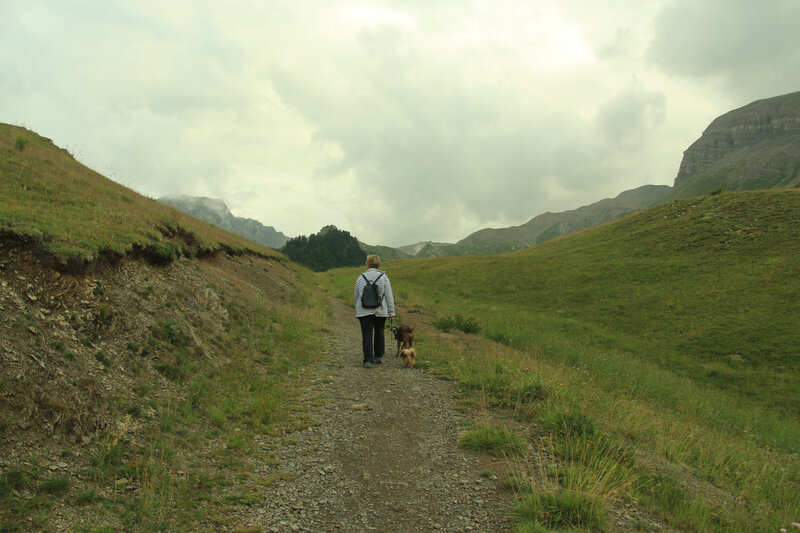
428, 138
753, 48
397, 121
629, 115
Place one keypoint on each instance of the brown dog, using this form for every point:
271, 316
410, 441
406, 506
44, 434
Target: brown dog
405, 337
409, 357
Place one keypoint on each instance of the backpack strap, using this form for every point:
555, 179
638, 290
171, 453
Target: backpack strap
373, 281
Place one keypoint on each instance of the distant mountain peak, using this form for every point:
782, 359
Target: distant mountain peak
215, 211
213, 204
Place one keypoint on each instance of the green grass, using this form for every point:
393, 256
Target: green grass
467, 325
76, 215
671, 334
563, 510
174, 447
155, 481
55, 485
499, 442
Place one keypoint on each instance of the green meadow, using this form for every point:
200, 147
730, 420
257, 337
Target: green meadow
654, 359
646, 367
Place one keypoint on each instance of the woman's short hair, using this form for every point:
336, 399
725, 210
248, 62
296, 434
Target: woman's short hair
373, 261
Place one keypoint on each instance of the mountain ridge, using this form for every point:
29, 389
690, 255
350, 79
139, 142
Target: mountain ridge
547, 226
756, 146
216, 211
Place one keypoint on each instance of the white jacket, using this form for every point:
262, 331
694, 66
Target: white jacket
384, 287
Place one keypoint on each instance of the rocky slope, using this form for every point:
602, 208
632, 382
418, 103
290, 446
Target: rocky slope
216, 212
753, 147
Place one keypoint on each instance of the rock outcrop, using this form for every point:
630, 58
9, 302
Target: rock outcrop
753, 147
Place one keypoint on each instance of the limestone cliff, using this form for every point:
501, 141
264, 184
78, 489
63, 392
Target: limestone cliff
753, 147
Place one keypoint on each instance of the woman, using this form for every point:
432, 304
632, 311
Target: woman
373, 320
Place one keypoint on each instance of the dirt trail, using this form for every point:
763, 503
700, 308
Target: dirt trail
391, 466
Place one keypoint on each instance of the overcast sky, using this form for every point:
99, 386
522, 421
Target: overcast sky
399, 121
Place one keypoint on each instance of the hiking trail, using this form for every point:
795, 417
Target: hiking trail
382, 454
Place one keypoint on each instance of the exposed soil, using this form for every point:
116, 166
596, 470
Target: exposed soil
384, 456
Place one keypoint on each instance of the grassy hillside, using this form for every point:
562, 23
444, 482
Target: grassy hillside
137, 397
672, 333
706, 287
78, 215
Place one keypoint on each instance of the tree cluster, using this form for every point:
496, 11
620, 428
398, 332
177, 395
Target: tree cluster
330, 248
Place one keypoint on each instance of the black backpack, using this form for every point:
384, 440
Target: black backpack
370, 296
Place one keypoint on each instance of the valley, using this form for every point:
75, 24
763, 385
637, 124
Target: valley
163, 374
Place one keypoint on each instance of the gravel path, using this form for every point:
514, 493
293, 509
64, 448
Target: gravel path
383, 454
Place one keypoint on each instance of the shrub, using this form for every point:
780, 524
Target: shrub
104, 314
102, 358
169, 332
20, 144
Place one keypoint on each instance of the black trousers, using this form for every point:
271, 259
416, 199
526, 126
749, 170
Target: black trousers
372, 336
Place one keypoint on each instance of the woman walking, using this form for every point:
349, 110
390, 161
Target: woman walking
373, 319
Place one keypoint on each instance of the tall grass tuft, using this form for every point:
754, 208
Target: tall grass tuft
499, 442
562, 509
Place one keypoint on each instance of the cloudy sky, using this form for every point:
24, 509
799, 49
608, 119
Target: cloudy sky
399, 121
